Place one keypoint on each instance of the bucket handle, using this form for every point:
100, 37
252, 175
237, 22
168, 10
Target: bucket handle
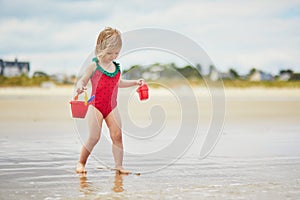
85, 97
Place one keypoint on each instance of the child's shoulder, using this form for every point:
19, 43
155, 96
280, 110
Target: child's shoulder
91, 67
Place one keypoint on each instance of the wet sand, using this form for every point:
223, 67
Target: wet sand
257, 157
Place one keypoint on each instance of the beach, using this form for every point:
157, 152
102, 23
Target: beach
257, 155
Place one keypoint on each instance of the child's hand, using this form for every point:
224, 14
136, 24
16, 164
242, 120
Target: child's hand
140, 82
80, 89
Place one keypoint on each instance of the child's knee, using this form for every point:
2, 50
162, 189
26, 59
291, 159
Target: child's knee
94, 139
116, 136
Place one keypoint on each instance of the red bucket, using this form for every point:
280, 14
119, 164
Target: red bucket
79, 109
143, 92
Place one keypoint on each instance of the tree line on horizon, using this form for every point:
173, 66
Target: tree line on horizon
149, 72
189, 71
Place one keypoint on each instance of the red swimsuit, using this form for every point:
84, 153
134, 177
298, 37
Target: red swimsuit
105, 88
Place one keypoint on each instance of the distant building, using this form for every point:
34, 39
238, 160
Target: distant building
214, 75
261, 76
59, 77
285, 75
13, 68
295, 77
153, 72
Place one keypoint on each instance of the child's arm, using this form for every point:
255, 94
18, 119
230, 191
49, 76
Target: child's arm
129, 83
83, 81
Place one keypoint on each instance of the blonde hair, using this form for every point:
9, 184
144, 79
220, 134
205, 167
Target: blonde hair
108, 39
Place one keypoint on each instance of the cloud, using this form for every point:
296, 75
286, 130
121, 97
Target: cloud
68, 62
19, 36
234, 33
55, 10
239, 34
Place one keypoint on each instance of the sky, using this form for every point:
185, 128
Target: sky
56, 36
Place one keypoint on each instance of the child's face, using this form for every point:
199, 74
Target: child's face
111, 54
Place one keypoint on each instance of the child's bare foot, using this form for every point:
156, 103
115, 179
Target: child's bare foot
120, 170
80, 169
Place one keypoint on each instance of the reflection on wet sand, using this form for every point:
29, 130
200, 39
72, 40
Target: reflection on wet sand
87, 188
118, 183
85, 185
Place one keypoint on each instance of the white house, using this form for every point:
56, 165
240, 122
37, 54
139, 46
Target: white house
214, 75
261, 76
13, 68
153, 72
285, 76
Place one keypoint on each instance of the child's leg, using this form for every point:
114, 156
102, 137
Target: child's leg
95, 119
113, 121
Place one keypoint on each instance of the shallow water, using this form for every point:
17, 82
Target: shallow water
41, 166
256, 158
